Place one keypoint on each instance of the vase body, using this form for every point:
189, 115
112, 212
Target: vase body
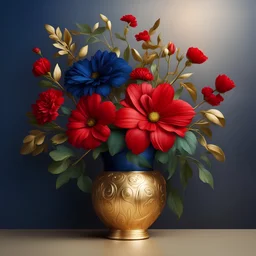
128, 201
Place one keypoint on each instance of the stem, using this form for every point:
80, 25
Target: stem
106, 43
77, 161
111, 38
168, 68
198, 105
201, 119
176, 69
176, 78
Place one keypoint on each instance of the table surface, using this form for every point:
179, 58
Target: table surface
161, 243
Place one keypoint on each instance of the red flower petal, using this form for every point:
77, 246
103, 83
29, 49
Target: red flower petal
196, 56
146, 103
106, 113
169, 128
76, 125
141, 74
128, 118
162, 140
137, 140
224, 84
101, 132
77, 137
77, 116
92, 104
146, 88
90, 142
146, 125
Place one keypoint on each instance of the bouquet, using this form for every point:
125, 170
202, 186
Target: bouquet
104, 104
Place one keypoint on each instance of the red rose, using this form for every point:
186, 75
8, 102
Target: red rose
171, 48
88, 124
41, 67
224, 84
207, 91
46, 108
141, 74
214, 100
151, 115
36, 50
196, 56
143, 36
130, 19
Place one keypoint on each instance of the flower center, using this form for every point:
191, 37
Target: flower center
95, 75
154, 117
91, 122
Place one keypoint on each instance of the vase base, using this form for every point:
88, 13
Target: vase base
136, 234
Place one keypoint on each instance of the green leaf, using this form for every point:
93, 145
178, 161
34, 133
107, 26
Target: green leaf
92, 40
84, 183
205, 176
102, 148
186, 173
138, 160
62, 179
174, 201
47, 84
178, 93
127, 53
116, 142
62, 152
206, 160
59, 167
162, 157
65, 110
99, 31
118, 36
171, 167
86, 29
187, 144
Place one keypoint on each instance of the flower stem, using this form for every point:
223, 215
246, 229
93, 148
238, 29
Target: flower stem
176, 78
198, 105
77, 161
168, 68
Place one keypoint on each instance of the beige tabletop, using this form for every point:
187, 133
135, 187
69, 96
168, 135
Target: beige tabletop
161, 243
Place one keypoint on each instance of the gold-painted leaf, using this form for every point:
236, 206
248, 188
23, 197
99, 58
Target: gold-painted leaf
28, 138
50, 29
75, 33
67, 37
202, 141
28, 148
58, 33
149, 58
136, 55
154, 28
159, 40
57, 73
40, 139
35, 132
109, 25
62, 52
217, 152
104, 18
149, 45
207, 131
39, 149
59, 46
83, 51
59, 138
202, 123
116, 51
185, 76
96, 25
54, 37
191, 90
214, 116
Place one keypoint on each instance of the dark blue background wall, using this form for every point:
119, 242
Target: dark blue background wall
224, 29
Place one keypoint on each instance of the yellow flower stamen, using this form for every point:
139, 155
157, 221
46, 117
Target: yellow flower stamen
153, 117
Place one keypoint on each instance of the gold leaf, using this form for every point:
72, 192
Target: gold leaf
217, 152
73, 47
67, 37
28, 148
58, 33
149, 58
54, 37
185, 76
35, 132
159, 40
39, 149
202, 123
149, 45
75, 33
28, 138
202, 141
40, 139
104, 18
116, 51
214, 116
207, 131
59, 138
59, 46
83, 51
191, 90
62, 52
57, 73
155, 26
109, 25
96, 25
50, 29
136, 55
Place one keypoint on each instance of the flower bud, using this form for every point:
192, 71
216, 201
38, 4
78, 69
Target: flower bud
109, 26
126, 30
95, 26
172, 48
104, 18
36, 50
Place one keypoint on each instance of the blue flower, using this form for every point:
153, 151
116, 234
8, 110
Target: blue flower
98, 75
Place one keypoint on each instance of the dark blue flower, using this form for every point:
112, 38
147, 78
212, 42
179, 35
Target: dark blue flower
98, 75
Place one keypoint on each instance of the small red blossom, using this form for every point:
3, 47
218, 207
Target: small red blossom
196, 56
141, 74
207, 91
214, 100
36, 50
46, 108
171, 48
151, 115
143, 36
224, 84
88, 123
130, 19
41, 67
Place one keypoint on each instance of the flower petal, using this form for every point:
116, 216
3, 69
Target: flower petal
146, 89
146, 125
169, 128
146, 103
92, 104
90, 142
77, 137
162, 140
137, 140
101, 132
106, 113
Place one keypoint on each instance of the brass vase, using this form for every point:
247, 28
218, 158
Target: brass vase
129, 202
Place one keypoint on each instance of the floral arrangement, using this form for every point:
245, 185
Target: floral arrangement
110, 105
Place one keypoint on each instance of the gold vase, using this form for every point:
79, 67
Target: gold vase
128, 203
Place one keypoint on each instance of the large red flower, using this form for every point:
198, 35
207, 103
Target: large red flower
88, 123
41, 67
151, 115
141, 74
143, 36
46, 108
130, 19
196, 56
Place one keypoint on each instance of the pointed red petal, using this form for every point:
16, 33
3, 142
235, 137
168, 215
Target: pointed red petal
92, 104
106, 113
90, 142
146, 103
169, 128
146, 88
146, 125
101, 132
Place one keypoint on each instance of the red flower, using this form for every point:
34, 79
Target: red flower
46, 108
87, 125
171, 48
143, 36
224, 84
196, 56
141, 74
214, 100
130, 19
41, 67
151, 115
207, 91
36, 50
